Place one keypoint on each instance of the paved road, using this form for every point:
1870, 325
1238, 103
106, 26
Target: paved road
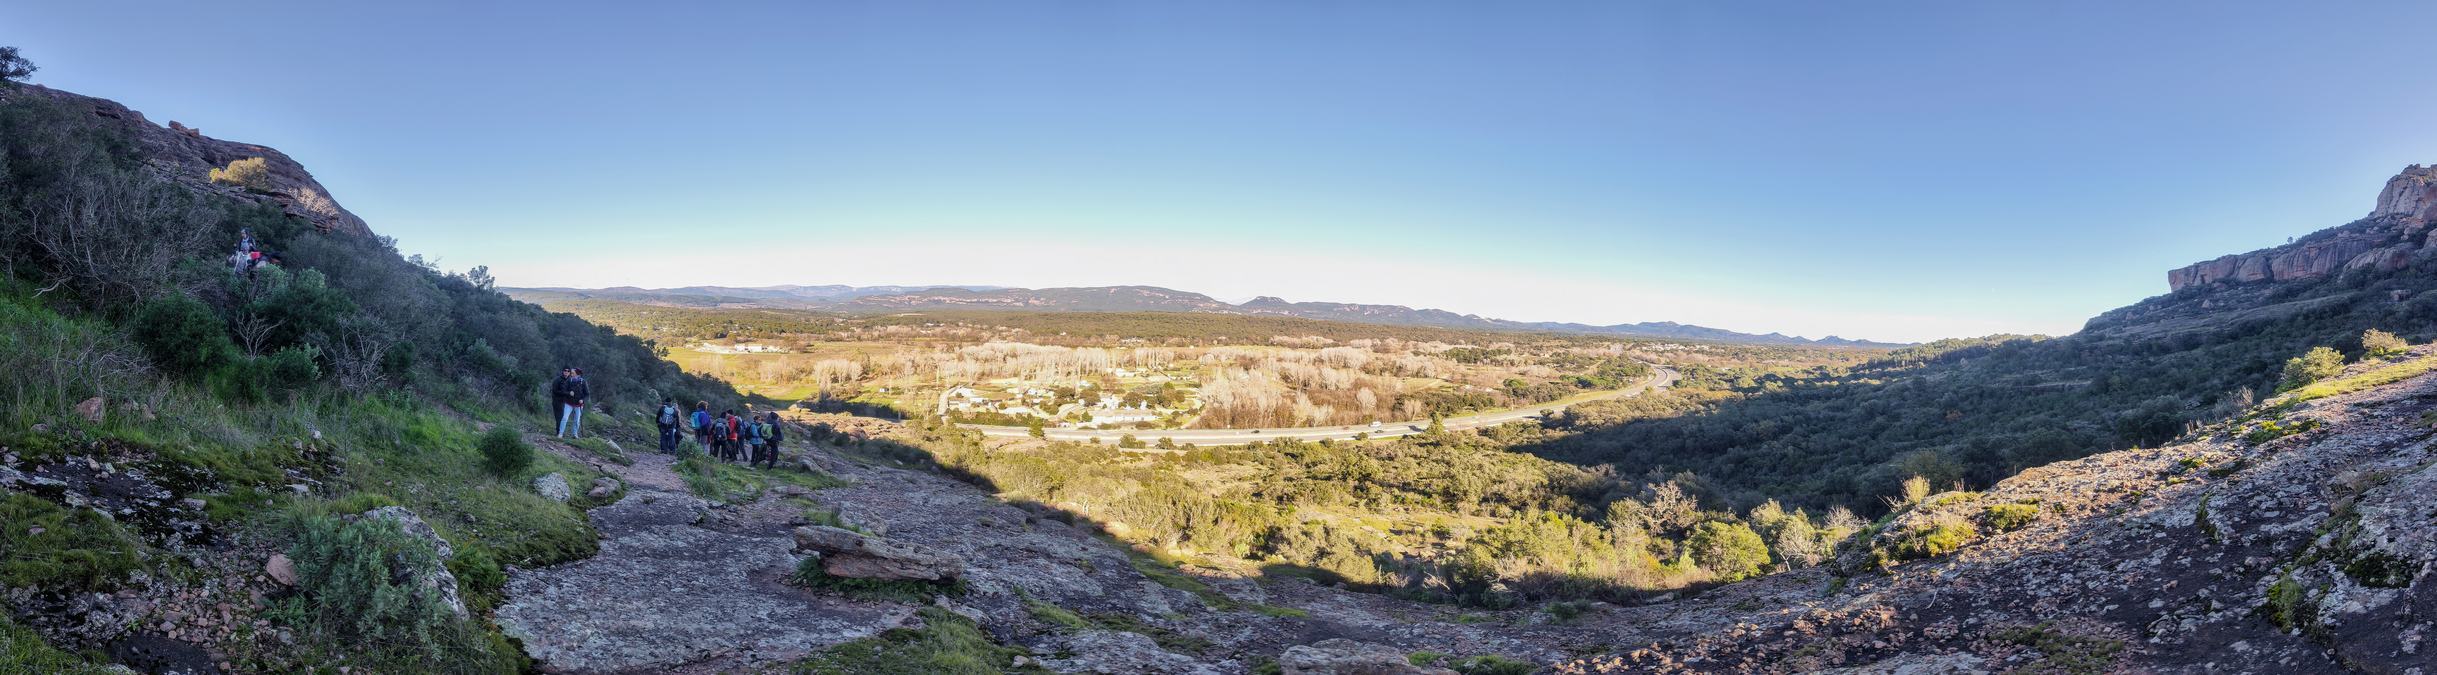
1660, 380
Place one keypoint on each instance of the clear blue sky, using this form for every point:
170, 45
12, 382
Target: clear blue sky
1885, 170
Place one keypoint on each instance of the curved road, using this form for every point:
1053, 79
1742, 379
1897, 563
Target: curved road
1660, 380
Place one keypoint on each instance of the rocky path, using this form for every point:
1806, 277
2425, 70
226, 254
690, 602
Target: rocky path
683, 585
673, 590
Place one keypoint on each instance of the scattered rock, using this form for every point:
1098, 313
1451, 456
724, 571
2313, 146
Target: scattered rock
93, 409
1339, 656
847, 553
281, 569
553, 486
602, 488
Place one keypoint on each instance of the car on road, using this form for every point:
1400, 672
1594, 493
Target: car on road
1374, 424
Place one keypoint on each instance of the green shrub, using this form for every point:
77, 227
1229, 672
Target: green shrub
480, 579
181, 335
49, 547
252, 173
1732, 551
505, 452
1492, 664
2009, 517
1940, 537
2380, 344
359, 593
2317, 364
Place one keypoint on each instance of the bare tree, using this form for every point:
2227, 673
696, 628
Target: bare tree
356, 353
115, 237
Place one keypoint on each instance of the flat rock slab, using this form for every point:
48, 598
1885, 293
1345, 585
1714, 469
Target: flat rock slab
664, 593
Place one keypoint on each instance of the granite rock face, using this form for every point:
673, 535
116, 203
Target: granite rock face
185, 155
2388, 239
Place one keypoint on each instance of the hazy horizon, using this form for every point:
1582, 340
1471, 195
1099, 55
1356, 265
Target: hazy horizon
1900, 173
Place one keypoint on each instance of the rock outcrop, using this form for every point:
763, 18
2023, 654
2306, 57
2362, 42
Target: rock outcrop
847, 553
185, 155
1340, 656
2388, 239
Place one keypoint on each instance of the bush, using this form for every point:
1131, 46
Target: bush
946, 644
1491, 664
360, 593
251, 173
2380, 344
2009, 517
1941, 536
1732, 551
2317, 364
181, 335
505, 452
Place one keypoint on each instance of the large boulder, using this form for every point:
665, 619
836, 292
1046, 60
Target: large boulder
1340, 656
602, 488
847, 553
553, 486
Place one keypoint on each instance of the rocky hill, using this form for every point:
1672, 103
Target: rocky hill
1138, 299
184, 155
2388, 239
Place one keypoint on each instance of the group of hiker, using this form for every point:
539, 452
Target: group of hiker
753, 439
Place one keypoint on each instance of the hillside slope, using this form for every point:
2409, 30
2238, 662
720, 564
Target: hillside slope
2233, 550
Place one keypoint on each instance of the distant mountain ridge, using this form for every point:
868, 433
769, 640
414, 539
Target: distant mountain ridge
865, 299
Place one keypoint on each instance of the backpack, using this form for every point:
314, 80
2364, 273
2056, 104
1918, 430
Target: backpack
767, 432
668, 415
719, 427
753, 432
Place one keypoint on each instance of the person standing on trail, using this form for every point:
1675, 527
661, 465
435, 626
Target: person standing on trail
753, 439
571, 415
736, 435
771, 435
702, 425
558, 395
668, 426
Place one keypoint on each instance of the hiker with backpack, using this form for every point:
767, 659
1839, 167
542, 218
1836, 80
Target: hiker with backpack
736, 435
753, 439
719, 435
771, 435
573, 392
668, 426
702, 425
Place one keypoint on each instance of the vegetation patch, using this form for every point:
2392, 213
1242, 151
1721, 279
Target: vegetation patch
2009, 517
24, 651
2062, 653
2289, 605
1492, 664
2374, 378
2268, 430
946, 644
1943, 535
362, 593
53, 548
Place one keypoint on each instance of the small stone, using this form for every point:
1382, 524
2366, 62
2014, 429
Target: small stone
93, 409
281, 569
31, 531
192, 504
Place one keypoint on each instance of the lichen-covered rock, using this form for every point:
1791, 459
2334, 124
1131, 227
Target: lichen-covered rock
847, 553
1339, 656
602, 488
553, 486
1108, 652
